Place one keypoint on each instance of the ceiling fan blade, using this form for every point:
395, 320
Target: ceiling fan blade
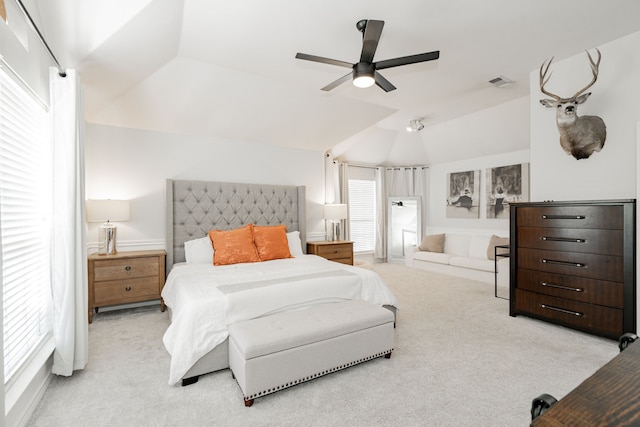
337, 83
371, 37
406, 60
383, 83
323, 60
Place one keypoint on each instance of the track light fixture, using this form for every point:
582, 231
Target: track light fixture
415, 125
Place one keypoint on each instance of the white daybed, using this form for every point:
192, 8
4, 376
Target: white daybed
471, 256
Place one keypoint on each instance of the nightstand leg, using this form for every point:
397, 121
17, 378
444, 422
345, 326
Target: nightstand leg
162, 306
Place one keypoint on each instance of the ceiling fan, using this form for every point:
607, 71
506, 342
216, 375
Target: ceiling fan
365, 72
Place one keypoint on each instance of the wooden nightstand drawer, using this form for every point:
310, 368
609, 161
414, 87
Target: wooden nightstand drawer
334, 251
125, 291
124, 278
121, 269
338, 251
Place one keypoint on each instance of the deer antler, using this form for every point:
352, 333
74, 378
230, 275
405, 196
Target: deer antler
594, 71
544, 79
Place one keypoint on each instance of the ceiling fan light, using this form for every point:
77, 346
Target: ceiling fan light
363, 81
363, 75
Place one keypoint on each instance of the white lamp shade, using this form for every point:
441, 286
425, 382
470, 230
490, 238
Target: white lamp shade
335, 211
107, 210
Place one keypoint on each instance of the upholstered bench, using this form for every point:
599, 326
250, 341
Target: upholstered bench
284, 349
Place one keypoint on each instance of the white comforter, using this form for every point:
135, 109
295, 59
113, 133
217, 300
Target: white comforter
205, 299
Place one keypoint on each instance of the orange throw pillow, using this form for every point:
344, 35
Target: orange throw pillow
271, 242
233, 246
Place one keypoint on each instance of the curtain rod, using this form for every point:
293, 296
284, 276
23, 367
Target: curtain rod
61, 71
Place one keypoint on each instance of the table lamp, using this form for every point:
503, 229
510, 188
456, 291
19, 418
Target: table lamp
106, 211
334, 214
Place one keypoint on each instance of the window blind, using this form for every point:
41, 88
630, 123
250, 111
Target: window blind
362, 214
25, 211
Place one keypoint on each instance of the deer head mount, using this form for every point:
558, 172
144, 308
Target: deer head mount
579, 136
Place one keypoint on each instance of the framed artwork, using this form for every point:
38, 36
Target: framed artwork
463, 194
506, 184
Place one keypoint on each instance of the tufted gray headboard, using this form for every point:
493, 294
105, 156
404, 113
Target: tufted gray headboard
195, 207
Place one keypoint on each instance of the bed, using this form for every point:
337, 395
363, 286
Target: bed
204, 299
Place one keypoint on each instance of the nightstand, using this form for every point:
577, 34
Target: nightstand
338, 250
124, 278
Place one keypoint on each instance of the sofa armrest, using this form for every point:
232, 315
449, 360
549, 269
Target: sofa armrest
408, 255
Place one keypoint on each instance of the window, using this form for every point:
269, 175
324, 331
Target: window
362, 214
25, 211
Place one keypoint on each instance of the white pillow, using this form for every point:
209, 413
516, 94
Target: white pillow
295, 244
199, 251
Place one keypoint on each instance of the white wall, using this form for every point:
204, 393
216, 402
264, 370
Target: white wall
485, 125
609, 174
135, 164
436, 211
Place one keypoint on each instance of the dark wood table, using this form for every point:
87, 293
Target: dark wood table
610, 397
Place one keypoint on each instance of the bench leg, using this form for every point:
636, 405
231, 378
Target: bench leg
387, 356
248, 402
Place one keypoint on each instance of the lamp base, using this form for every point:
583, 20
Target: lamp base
107, 239
336, 231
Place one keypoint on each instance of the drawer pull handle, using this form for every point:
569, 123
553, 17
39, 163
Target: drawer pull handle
127, 268
561, 310
570, 264
565, 288
563, 217
128, 288
562, 239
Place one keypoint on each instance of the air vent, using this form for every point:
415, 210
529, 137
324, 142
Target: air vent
501, 81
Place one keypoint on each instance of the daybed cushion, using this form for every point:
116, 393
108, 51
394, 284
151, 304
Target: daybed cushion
473, 263
457, 244
233, 246
478, 246
433, 243
432, 257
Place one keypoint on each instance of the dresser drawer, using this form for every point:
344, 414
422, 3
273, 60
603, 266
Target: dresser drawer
603, 267
591, 291
595, 241
592, 318
124, 291
119, 269
572, 216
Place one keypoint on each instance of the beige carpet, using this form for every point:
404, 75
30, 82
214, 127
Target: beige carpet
460, 360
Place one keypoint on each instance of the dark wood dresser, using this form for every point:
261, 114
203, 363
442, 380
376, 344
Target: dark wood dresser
573, 263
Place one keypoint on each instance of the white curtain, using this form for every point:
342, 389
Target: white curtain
69, 261
343, 179
380, 251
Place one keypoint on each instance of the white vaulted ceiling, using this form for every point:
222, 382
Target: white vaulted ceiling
228, 68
